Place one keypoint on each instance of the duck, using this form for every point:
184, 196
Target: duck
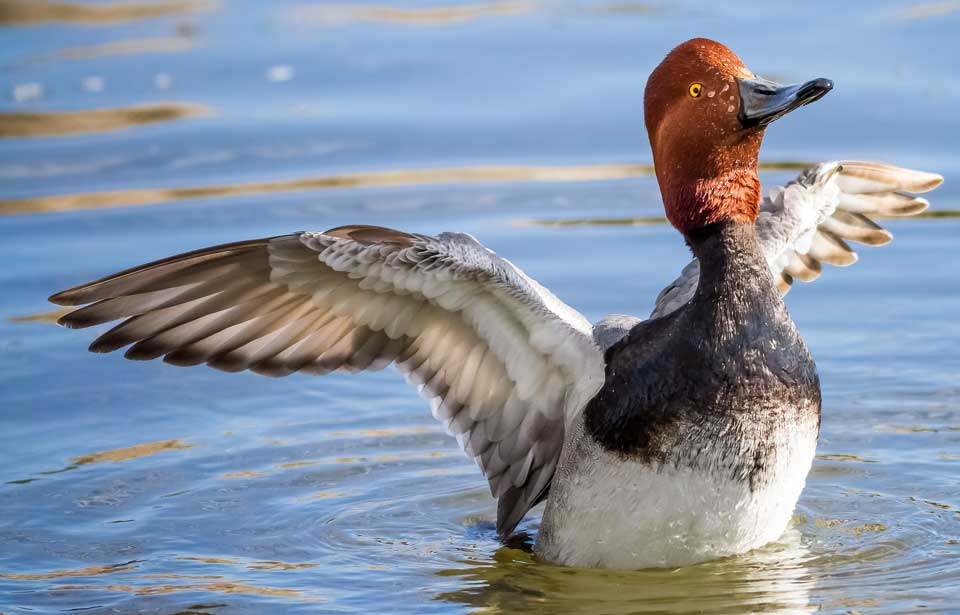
657, 442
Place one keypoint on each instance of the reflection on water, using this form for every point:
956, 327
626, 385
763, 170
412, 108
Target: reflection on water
37, 12
118, 455
89, 571
772, 579
409, 177
165, 44
61, 123
340, 14
255, 565
926, 10
132, 452
447, 15
243, 475
631, 221
219, 587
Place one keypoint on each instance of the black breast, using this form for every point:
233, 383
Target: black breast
717, 382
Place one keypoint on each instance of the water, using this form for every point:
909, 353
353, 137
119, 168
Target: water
136, 131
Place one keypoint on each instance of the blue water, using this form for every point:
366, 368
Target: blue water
143, 488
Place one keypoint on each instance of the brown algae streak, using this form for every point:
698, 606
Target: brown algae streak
341, 14
160, 44
137, 451
372, 179
21, 124
223, 587
90, 571
40, 12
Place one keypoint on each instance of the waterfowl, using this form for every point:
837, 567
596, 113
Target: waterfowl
658, 442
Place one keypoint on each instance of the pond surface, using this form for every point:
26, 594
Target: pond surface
132, 131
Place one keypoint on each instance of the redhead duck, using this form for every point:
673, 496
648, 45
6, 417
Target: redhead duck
658, 442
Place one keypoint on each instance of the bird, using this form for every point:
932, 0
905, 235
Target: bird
657, 442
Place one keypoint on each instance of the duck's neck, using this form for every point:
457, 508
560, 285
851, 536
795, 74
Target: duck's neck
730, 194
736, 288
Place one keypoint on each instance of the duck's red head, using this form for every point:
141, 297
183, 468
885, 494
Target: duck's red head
706, 113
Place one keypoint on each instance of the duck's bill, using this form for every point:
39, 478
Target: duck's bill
763, 101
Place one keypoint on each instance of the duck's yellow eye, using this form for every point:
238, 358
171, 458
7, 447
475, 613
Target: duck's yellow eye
695, 89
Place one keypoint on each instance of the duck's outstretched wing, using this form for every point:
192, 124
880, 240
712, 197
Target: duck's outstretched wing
810, 220
499, 357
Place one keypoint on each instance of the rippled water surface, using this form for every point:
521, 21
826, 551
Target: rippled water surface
131, 131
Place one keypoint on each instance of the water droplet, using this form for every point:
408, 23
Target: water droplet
280, 73
162, 81
93, 84
25, 92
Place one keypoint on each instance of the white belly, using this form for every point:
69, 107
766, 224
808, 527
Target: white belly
611, 512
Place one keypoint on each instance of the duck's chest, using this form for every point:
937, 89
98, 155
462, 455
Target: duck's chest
688, 453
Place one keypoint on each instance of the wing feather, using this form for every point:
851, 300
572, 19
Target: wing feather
502, 361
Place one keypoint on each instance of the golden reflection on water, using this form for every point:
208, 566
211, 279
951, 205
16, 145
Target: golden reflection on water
252, 565
359, 433
939, 505
927, 10
772, 579
90, 571
340, 14
132, 452
37, 12
161, 44
373, 179
327, 495
243, 475
859, 530
838, 525
388, 432
61, 123
842, 457
222, 587
625, 7
213, 583
326, 15
171, 575
289, 465
905, 429
628, 221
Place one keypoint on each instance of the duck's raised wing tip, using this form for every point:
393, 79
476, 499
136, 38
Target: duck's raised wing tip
934, 180
64, 297
56, 299
865, 177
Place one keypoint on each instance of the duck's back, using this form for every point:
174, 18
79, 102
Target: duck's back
700, 440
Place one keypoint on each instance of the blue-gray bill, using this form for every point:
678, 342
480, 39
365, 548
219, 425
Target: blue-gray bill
762, 101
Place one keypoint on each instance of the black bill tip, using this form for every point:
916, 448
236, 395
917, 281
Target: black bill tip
814, 90
763, 101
